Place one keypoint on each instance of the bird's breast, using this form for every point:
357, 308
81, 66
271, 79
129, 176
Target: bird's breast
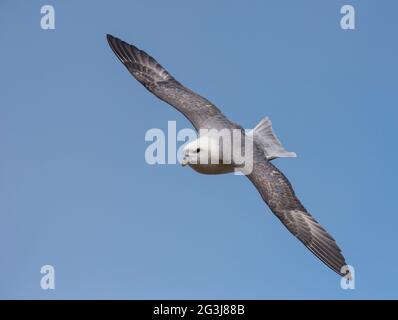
213, 168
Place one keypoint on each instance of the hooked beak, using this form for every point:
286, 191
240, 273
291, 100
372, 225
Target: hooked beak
184, 161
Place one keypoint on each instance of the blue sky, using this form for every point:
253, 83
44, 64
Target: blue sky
76, 192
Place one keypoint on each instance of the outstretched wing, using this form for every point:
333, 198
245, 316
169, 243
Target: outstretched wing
158, 81
278, 193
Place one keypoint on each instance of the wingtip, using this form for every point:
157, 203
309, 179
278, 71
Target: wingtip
112, 40
109, 37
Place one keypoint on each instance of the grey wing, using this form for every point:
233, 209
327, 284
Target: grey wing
158, 81
278, 193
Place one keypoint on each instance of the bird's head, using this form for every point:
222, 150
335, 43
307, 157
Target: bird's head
197, 152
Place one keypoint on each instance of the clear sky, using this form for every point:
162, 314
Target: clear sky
76, 192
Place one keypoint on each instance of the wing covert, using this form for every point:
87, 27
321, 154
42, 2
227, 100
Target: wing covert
277, 192
159, 82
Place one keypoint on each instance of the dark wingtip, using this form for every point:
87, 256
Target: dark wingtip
109, 37
112, 40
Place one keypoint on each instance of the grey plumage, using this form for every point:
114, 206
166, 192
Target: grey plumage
158, 81
278, 193
265, 137
272, 185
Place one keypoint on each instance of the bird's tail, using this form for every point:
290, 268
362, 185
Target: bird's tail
265, 137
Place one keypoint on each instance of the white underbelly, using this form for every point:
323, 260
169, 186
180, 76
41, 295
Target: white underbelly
212, 168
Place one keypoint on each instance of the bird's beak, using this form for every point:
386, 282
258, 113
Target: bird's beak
184, 161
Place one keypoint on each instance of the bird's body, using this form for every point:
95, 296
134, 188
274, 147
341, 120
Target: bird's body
204, 155
208, 156
213, 168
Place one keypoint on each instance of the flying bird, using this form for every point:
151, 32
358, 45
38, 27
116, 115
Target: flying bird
274, 188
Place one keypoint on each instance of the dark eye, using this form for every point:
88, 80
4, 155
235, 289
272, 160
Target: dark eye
198, 150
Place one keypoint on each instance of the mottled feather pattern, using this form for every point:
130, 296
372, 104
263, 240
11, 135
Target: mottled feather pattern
158, 81
278, 193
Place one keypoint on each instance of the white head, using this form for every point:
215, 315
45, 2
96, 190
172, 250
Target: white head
200, 151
